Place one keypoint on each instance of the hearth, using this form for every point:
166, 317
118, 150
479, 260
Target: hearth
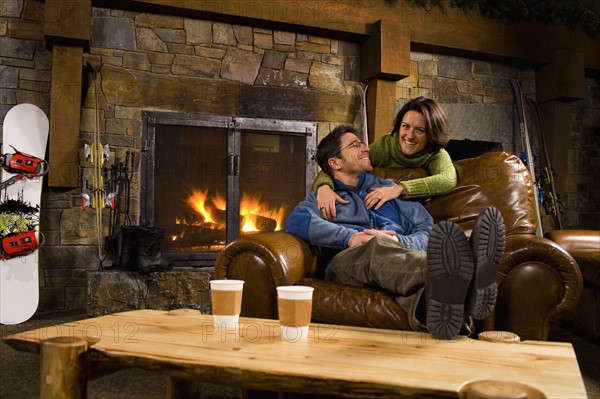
207, 180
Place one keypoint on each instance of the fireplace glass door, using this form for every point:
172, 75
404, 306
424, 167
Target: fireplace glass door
208, 180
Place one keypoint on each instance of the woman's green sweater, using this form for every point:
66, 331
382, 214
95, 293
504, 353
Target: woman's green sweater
386, 153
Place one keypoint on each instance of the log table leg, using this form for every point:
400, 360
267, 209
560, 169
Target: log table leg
493, 389
62, 368
499, 336
179, 388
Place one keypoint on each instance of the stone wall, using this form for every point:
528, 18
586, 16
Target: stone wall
582, 201
112, 291
476, 95
168, 63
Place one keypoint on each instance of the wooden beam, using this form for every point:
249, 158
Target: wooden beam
563, 79
68, 22
386, 53
133, 88
557, 84
381, 100
65, 108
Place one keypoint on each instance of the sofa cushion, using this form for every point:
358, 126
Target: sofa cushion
355, 306
494, 178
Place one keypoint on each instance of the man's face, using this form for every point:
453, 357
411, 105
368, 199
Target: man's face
354, 155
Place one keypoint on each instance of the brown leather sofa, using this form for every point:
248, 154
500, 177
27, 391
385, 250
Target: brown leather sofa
538, 280
584, 247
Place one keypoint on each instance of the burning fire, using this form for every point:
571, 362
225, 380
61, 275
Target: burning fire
251, 208
254, 213
197, 201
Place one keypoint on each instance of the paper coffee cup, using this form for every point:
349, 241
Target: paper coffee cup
294, 304
226, 299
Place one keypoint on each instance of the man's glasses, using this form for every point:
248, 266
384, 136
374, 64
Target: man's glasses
354, 144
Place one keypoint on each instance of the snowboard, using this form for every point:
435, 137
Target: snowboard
25, 135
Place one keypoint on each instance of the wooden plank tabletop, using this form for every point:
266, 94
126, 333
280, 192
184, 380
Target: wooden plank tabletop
349, 361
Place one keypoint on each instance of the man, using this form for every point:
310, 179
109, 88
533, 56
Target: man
433, 270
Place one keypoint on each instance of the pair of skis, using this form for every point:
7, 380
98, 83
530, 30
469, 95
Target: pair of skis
362, 113
97, 154
548, 198
105, 194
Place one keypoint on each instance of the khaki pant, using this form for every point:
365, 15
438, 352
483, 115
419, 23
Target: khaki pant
384, 263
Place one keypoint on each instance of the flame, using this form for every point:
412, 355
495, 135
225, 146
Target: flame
219, 202
197, 200
279, 216
251, 207
249, 224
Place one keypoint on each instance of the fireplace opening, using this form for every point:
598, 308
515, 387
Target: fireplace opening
207, 180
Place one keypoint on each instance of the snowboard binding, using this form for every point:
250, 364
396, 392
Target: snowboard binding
20, 163
22, 166
18, 222
19, 243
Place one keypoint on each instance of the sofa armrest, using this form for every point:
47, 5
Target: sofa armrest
538, 281
584, 247
265, 261
576, 241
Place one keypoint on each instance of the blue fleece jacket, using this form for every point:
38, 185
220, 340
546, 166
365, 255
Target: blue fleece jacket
411, 222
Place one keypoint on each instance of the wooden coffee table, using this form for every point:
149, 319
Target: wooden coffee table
345, 361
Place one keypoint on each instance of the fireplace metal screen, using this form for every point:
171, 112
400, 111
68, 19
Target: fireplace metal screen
208, 180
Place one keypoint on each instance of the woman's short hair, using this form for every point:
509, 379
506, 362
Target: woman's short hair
436, 122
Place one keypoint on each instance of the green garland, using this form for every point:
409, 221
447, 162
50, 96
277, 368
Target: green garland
574, 13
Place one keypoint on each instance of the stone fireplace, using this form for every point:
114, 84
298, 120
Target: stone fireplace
224, 121
207, 180
219, 116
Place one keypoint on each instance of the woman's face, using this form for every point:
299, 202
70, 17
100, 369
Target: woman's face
412, 137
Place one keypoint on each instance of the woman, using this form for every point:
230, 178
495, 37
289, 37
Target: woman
417, 140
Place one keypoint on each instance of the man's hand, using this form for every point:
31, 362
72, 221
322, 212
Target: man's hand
366, 235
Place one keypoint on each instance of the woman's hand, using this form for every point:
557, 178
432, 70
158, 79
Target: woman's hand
380, 195
326, 199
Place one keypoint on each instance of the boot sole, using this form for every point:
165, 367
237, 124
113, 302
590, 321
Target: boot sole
488, 240
450, 268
